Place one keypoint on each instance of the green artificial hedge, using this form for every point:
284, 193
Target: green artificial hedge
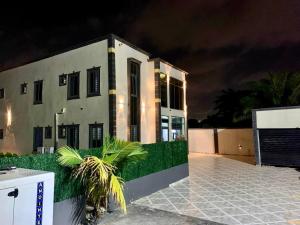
161, 156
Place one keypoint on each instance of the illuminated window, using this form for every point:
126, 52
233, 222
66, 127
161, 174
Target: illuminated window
24, 89
93, 82
73, 85
164, 90
38, 92
96, 135
177, 128
176, 94
165, 128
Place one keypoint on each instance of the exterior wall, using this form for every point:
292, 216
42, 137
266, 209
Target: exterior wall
26, 115
278, 118
230, 141
167, 111
201, 140
147, 97
236, 142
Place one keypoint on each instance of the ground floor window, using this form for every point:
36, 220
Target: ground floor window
177, 128
73, 136
95, 135
165, 128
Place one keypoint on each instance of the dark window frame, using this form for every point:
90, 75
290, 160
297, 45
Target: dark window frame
92, 126
62, 131
38, 92
176, 97
48, 132
2, 93
1, 134
62, 80
68, 127
97, 75
24, 88
72, 95
164, 90
134, 96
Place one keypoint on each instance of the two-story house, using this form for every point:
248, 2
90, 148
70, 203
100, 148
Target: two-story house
75, 97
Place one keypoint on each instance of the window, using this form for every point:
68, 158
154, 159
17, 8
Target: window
24, 89
1, 134
164, 128
164, 90
93, 82
177, 128
2, 93
96, 135
62, 79
48, 132
61, 131
176, 94
73, 85
73, 136
134, 100
38, 92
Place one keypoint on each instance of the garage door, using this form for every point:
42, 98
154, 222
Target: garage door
280, 147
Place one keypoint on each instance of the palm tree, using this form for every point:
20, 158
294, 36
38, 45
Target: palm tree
98, 174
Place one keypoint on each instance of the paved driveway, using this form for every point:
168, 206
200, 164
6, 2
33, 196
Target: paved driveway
232, 192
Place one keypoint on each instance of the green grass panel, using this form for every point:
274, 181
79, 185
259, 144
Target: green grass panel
161, 156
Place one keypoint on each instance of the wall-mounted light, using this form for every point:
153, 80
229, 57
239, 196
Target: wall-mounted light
162, 75
8, 114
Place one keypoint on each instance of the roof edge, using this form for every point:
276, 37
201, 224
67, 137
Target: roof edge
170, 64
80, 45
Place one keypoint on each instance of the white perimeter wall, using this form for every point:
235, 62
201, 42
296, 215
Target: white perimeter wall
278, 118
230, 141
201, 140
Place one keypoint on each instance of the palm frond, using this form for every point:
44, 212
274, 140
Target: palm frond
121, 152
68, 157
116, 189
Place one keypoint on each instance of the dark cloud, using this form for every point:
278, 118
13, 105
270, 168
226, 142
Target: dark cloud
221, 43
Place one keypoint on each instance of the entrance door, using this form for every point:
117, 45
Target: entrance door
37, 137
73, 136
7, 206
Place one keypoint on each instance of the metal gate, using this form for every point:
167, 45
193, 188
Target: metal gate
280, 147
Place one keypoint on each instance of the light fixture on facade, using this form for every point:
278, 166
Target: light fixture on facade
162, 75
8, 117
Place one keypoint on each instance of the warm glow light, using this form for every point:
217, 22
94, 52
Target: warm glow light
162, 75
8, 117
143, 107
121, 102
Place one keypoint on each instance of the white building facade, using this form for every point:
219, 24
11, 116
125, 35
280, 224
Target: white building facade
76, 97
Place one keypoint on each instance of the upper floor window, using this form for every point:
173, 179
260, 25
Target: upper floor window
93, 81
73, 85
96, 135
176, 94
24, 89
2, 93
48, 132
62, 79
38, 92
1, 134
163, 90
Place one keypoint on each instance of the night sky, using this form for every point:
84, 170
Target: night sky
221, 43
